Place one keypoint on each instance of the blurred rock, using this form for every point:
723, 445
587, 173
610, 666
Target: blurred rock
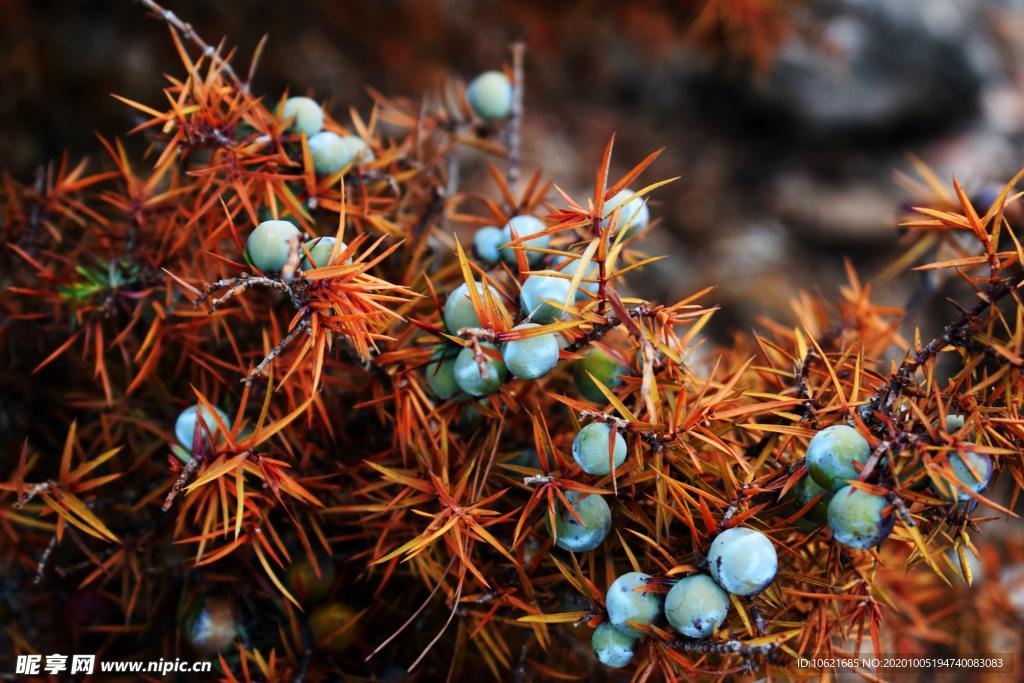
848, 211
878, 66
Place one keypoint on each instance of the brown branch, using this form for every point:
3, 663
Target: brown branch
301, 327
190, 35
956, 333
515, 121
238, 285
599, 330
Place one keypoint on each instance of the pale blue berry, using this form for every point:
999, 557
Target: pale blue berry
467, 372
458, 309
696, 606
571, 267
831, 454
490, 95
185, 425
590, 449
633, 214
625, 603
743, 561
597, 522
613, 648
856, 518
332, 152
976, 481
532, 357
269, 245
305, 115
523, 226
486, 241
539, 296
320, 249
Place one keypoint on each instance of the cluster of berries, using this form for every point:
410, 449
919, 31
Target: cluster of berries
860, 519
741, 562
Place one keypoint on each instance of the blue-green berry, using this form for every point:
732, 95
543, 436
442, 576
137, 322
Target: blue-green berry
305, 115
332, 152
954, 423
976, 481
696, 606
537, 292
856, 518
625, 603
633, 214
571, 267
320, 249
523, 226
591, 449
269, 245
490, 95
458, 308
743, 561
185, 425
807, 490
597, 522
440, 373
605, 368
612, 647
532, 357
831, 454
467, 372
486, 241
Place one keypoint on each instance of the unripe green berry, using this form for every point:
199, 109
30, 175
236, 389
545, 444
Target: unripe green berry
467, 372
696, 606
856, 519
333, 626
804, 492
490, 95
605, 368
320, 249
486, 241
305, 584
626, 604
269, 245
633, 214
214, 627
570, 268
743, 561
831, 454
332, 152
981, 463
458, 309
305, 115
597, 522
591, 450
532, 357
185, 425
613, 648
441, 373
523, 226
535, 294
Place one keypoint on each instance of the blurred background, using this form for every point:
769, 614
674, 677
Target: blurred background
786, 120
789, 122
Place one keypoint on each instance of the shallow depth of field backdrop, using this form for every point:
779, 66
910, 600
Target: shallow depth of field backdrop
793, 133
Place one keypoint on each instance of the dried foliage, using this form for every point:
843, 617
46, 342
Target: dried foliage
332, 449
